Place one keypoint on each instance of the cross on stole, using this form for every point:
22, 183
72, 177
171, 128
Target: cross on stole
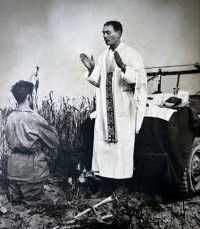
111, 139
111, 124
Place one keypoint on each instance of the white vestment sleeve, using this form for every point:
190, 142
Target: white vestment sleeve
140, 98
130, 75
94, 77
135, 73
134, 67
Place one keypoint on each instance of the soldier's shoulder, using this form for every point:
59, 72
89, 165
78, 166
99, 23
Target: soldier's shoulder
36, 116
11, 114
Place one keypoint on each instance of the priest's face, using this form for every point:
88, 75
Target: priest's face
111, 37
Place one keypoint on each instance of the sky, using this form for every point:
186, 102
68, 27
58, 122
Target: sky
52, 33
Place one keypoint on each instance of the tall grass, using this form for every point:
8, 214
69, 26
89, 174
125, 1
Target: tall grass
67, 116
4, 150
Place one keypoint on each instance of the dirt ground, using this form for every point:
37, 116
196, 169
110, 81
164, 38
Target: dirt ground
122, 210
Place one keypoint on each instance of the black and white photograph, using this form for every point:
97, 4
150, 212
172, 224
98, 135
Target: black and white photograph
99, 114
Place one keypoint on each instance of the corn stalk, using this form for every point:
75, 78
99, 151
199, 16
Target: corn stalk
4, 150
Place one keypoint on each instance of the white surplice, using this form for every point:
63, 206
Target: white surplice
115, 160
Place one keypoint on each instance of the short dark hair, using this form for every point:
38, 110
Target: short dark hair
21, 89
117, 26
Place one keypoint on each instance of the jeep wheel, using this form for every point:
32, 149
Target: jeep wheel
194, 170
190, 182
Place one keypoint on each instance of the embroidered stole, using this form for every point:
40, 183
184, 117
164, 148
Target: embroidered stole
110, 67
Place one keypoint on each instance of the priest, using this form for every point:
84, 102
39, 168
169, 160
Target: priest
121, 92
